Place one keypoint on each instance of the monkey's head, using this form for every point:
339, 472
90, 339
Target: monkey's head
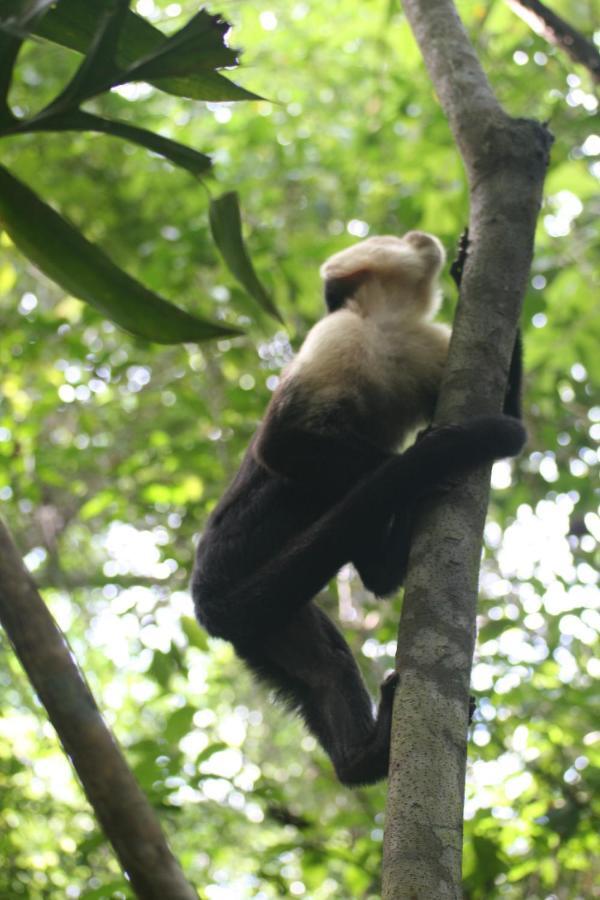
401, 270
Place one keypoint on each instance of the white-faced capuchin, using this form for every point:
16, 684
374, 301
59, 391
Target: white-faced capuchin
323, 484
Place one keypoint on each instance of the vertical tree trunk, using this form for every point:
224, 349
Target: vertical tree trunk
505, 160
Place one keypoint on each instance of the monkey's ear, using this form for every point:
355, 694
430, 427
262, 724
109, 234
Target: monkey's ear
339, 290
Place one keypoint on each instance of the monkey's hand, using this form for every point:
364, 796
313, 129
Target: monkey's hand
388, 688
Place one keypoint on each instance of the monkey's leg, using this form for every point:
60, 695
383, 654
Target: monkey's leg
383, 558
381, 564
263, 614
306, 563
313, 670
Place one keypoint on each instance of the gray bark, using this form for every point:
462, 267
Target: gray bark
122, 809
505, 160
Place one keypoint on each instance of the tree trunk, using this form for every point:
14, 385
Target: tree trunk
122, 809
505, 161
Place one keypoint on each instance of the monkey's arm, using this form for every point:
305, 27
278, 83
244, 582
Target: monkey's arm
329, 462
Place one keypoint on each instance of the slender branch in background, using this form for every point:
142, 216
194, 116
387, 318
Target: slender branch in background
558, 32
505, 160
73, 581
123, 811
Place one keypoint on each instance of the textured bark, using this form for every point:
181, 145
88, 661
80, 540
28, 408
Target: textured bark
122, 809
505, 161
558, 32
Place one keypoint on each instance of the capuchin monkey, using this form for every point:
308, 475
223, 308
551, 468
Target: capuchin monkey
323, 484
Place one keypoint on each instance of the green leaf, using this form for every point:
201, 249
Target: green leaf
198, 44
209, 751
226, 227
179, 723
180, 155
196, 635
99, 70
210, 86
489, 856
85, 271
161, 668
73, 24
96, 504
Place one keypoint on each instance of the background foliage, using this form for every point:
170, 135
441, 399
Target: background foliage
113, 451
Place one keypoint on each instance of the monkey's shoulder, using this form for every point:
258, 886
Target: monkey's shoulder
388, 367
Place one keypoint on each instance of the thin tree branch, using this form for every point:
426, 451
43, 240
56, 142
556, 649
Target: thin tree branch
505, 160
73, 581
122, 809
558, 32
